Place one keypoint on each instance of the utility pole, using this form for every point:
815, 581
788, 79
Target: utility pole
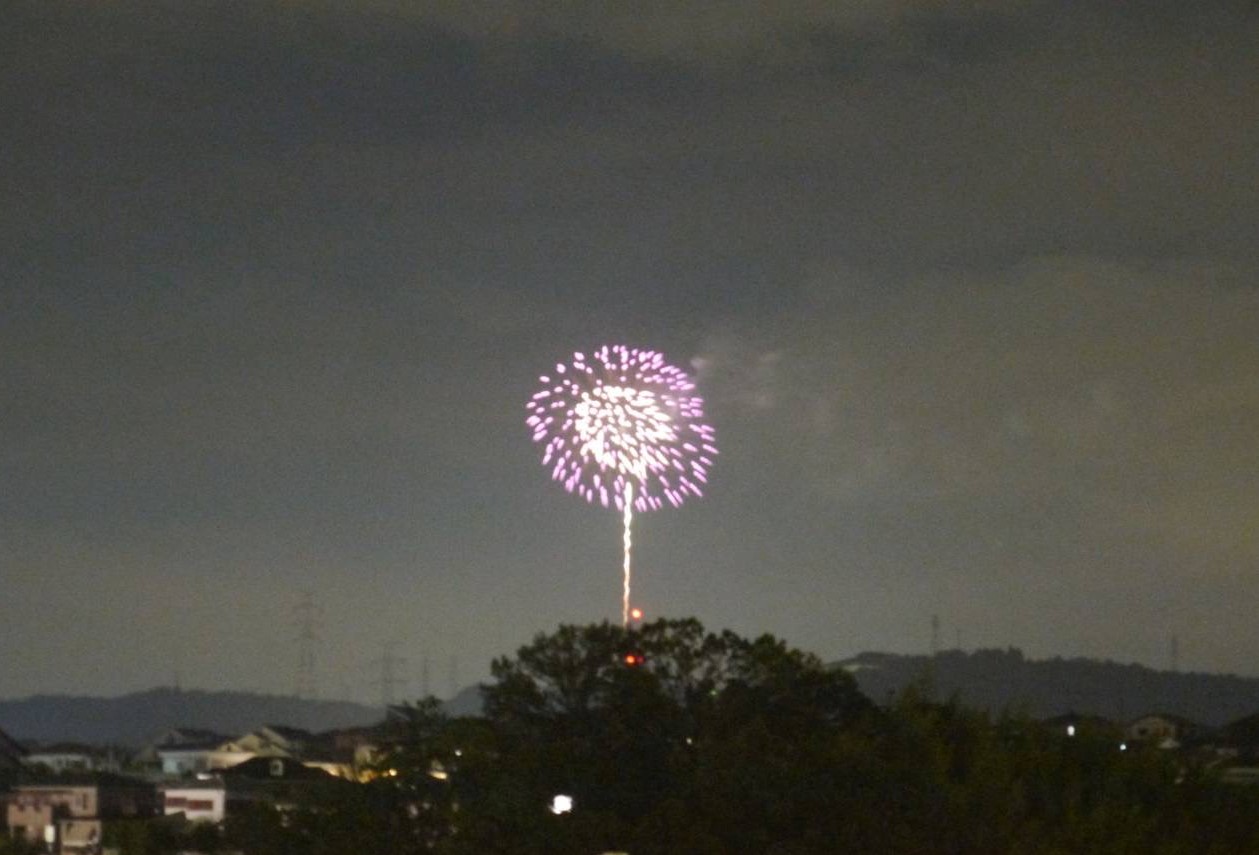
306, 616
935, 635
425, 689
1175, 653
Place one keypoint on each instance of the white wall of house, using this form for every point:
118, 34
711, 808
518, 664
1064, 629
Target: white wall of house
341, 770
179, 762
62, 761
198, 804
1158, 730
79, 836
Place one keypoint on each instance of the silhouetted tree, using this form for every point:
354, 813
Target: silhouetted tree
673, 739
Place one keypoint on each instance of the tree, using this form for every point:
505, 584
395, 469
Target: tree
637, 743
714, 744
17, 845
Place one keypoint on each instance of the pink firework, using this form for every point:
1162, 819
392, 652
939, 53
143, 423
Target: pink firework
623, 425
623, 429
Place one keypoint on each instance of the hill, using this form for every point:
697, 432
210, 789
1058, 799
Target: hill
996, 680
466, 702
131, 719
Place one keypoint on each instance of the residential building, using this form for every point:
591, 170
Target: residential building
198, 801
71, 813
175, 737
1164, 730
273, 740
348, 753
64, 757
281, 781
186, 761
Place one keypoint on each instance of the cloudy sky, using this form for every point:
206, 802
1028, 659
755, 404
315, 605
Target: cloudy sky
971, 290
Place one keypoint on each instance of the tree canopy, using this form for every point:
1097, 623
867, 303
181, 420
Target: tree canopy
673, 739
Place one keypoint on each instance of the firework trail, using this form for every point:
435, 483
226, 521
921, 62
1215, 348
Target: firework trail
625, 429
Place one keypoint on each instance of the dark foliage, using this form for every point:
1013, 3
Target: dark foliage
713, 744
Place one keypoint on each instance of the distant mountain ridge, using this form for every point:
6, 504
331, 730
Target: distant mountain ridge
134, 718
994, 680
997, 680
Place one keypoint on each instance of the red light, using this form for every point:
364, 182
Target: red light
634, 659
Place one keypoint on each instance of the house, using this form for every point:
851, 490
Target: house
274, 740
1238, 741
186, 761
347, 753
71, 814
63, 757
182, 760
182, 752
275, 769
341, 764
1164, 730
175, 737
197, 801
178, 754
283, 782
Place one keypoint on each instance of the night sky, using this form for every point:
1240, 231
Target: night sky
971, 290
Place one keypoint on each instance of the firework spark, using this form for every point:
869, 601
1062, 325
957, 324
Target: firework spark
624, 429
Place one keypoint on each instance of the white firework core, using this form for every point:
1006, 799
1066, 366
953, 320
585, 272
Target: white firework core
622, 429
624, 418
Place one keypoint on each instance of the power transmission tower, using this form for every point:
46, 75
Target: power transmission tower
306, 616
389, 679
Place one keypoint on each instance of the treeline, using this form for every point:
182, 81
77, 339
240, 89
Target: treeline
671, 739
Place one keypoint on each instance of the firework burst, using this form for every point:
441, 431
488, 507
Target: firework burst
624, 429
